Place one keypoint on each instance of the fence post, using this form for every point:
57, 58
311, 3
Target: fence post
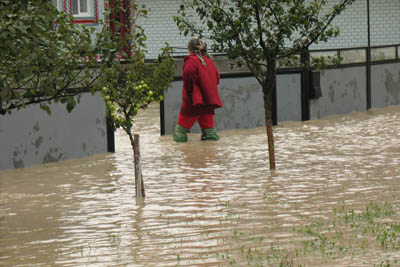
305, 85
139, 185
368, 70
110, 134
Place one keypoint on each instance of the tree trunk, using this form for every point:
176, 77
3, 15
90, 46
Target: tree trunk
268, 87
139, 185
268, 123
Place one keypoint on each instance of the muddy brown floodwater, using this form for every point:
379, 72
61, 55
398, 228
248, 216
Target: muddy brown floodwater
333, 200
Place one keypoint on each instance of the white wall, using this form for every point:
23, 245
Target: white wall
30, 136
384, 17
385, 88
243, 102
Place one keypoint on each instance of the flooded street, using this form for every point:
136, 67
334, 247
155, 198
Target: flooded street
334, 199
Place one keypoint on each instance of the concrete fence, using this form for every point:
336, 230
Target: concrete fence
346, 88
29, 136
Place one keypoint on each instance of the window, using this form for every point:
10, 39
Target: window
83, 11
80, 8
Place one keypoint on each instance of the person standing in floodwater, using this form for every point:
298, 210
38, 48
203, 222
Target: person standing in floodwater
199, 93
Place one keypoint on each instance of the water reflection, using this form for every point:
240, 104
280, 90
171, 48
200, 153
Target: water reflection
208, 203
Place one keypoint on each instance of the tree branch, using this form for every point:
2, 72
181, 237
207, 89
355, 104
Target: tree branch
329, 19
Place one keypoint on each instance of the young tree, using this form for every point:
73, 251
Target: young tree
132, 83
45, 57
257, 33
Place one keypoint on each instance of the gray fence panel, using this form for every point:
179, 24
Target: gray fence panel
172, 105
288, 97
343, 91
385, 85
243, 102
241, 97
30, 136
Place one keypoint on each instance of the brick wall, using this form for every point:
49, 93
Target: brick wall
385, 25
385, 22
160, 26
352, 23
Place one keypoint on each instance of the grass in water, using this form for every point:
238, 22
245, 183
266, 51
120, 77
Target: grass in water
349, 236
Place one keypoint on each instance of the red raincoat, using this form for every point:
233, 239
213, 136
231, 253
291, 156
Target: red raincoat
206, 78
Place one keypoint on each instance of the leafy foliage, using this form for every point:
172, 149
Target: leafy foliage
260, 33
45, 57
132, 83
133, 86
257, 33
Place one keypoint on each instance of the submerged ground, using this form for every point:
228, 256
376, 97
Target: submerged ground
334, 200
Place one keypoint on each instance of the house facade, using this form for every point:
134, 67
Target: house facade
353, 23
384, 21
88, 12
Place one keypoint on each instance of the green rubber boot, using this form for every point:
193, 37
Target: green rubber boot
209, 134
180, 134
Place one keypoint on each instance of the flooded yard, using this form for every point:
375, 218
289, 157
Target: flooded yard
334, 200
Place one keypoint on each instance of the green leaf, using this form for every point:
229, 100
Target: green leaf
45, 108
70, 106
27, 26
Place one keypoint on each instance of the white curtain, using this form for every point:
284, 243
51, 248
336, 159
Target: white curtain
79, 6
75, 9
84, 6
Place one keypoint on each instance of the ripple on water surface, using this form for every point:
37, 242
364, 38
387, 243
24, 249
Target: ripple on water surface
213, 203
